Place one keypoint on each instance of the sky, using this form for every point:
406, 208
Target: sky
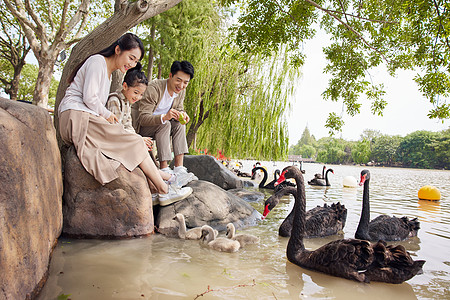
406, 111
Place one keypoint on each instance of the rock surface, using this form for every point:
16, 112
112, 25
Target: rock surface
208, 168
248, 195
31, 188
208, 204
119, 209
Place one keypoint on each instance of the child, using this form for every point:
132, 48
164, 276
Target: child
133, 86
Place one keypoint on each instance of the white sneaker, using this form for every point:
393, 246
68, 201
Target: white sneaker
183, 176
175, 194
172, 179
168, 170
155, 200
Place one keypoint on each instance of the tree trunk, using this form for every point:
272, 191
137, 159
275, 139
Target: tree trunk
159, 69
160, 62
151, 53
128, 16
40, 95
195, 124
12, 88
116, 81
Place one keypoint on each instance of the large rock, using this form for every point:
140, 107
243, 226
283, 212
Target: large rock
208, 168
248, 195
208, 204
119, 209
30, 198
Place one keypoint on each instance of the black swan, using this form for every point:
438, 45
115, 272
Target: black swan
320, 221
321, 182
320, 176
382, 227
353, 259
270, 185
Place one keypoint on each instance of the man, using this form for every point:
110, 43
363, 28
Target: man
158, 115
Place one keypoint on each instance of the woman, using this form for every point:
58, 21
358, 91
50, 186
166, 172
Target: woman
101, 143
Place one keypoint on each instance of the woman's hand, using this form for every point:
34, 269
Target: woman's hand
112, 119
148, 142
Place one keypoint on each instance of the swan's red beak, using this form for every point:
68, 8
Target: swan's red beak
363, 179
266, 212
280, 179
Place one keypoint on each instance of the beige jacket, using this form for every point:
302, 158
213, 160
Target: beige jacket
142, 111
118, 105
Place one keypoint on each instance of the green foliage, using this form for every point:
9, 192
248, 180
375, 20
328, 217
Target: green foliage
385, 149
305, 146
416, 150
420, 149
361, 152
405, 34
331, 150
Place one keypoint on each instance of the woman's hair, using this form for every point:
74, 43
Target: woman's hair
126, 42
135, 76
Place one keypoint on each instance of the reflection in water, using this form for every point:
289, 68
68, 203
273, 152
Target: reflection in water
157, 267
431, 210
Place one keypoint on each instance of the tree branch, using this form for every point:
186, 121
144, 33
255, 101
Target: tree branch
27, 26
441, 26
347, 26
361, 18
50, 17
39, 28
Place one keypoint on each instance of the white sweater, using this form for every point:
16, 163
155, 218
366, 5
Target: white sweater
90, 88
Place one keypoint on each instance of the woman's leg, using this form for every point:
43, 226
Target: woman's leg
151, 171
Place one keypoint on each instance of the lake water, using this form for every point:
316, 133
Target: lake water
158, 267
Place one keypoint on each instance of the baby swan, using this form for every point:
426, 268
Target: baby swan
218, 244
243, 239
191, 234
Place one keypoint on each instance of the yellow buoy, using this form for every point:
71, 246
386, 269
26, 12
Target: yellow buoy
429, 192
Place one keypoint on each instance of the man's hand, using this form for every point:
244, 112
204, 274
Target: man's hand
186, 117
172, 114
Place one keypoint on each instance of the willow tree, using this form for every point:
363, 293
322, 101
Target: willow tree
247, 106
236, 102
404, 34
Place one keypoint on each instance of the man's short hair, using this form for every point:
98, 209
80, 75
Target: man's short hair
183, 66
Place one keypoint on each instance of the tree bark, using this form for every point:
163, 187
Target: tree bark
151, 53
116, 81
126, 16
43, 80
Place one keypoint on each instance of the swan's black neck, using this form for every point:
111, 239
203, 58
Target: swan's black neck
263, 181
326, 177
298, 227
362, 232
